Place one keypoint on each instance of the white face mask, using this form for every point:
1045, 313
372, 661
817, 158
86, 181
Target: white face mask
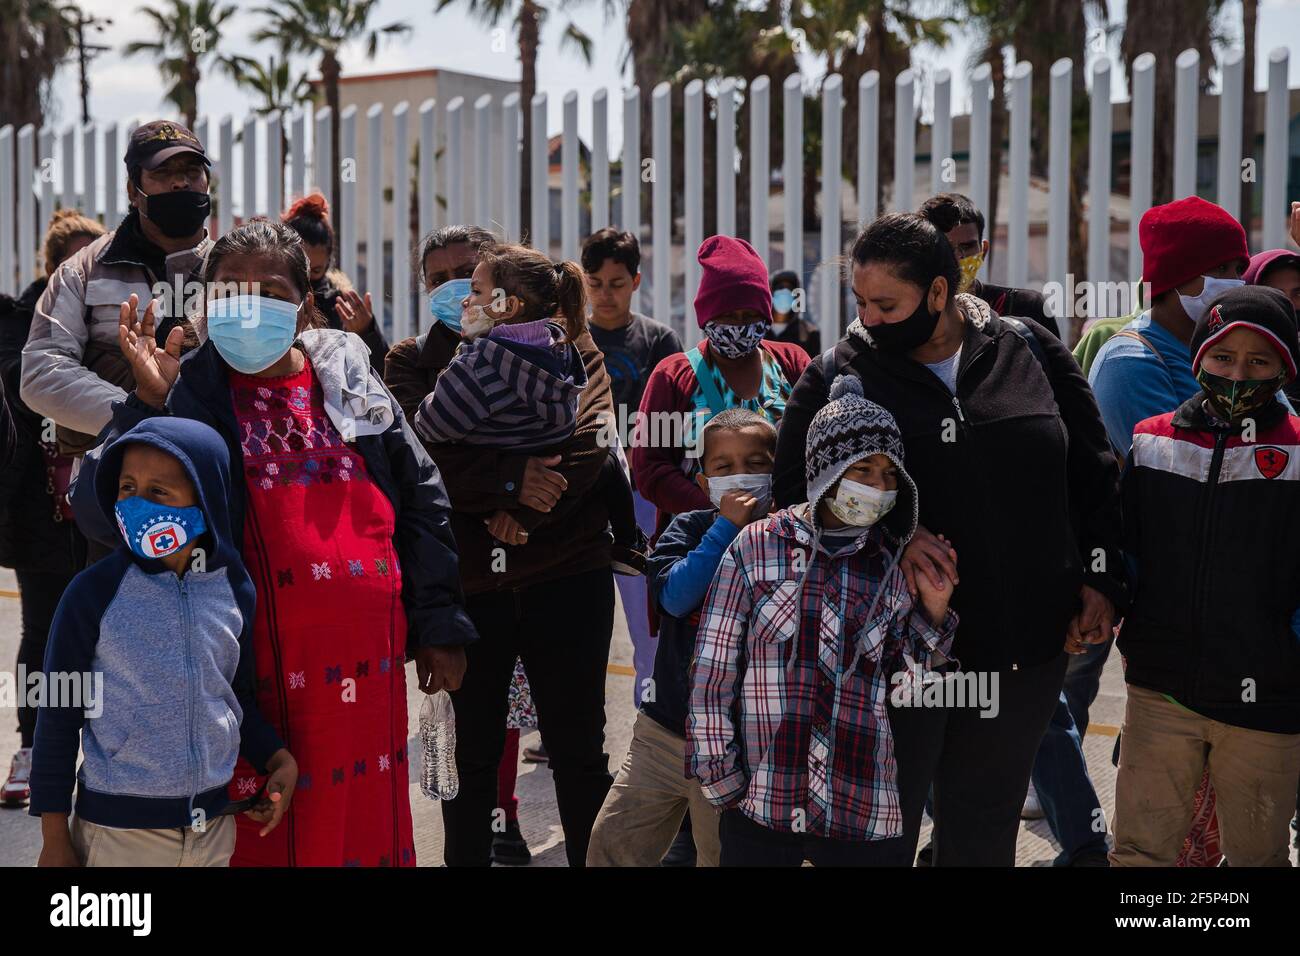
1196, 306
860, 505
760, 486
475, 322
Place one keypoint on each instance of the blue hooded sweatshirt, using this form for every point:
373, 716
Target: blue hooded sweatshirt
176, 659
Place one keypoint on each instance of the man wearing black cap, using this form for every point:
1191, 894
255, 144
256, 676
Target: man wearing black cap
73, 370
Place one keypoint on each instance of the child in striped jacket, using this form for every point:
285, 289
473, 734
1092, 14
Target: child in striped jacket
515, 379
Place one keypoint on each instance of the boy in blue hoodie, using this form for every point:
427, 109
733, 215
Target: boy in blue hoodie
642, 813
165, 622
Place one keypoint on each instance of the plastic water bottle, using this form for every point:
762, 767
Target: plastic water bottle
438, 778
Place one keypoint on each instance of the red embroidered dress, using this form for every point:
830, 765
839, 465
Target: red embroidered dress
330, 634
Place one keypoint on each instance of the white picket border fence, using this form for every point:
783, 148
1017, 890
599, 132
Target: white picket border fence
49, 161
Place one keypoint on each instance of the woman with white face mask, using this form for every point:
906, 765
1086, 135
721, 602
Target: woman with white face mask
342, 521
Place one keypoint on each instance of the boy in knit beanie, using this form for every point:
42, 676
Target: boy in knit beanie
806, 620
1211, 658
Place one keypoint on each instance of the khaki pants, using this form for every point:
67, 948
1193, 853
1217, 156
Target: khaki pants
97, 845
1163, 753
644, 809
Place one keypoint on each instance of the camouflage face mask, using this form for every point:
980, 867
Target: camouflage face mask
1234, 400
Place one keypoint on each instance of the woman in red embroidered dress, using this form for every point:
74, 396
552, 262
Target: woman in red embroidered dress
345, 534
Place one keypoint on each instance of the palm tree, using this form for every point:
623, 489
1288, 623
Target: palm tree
35, 36
320, 28
1249, 29
187, 40
857, 36
279, 89
527, 17
1166, 29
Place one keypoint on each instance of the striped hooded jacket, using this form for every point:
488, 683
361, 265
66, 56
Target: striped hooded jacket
499, 392
1212, 532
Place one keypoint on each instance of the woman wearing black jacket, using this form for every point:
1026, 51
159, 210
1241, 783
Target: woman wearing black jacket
1012, 466
38, 538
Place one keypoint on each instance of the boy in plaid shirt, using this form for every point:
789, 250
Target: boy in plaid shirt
807, 618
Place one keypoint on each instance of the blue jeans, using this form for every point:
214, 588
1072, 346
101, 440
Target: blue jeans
1060, 774
634, 593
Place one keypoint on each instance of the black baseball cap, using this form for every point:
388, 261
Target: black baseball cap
154, 143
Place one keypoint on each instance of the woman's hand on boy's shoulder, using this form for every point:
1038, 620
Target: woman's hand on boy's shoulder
280, 783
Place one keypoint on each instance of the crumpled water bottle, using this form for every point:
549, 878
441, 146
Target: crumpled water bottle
438, 777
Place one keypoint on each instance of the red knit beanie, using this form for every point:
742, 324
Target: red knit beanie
1187, 238
733, 278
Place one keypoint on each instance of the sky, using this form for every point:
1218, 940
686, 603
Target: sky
125, 88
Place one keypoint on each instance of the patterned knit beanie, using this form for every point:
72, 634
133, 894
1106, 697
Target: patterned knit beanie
846, 430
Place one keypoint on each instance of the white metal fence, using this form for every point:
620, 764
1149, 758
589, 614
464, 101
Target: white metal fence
44, 164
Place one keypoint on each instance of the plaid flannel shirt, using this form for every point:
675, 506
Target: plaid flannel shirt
788, 722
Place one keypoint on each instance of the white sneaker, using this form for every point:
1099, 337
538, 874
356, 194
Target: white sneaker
17, 789
1032, 810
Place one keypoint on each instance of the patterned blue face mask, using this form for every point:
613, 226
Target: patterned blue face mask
155, 531
444, 302
252, 332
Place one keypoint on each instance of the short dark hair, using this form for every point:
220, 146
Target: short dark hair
949, 210
610, 243
914, 246
475, 236
737, 420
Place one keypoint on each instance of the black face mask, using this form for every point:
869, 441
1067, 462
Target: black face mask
178, 213
913, 332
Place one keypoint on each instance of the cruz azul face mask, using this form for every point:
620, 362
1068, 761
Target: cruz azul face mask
155, 531
252, 332
860, 505
444, 302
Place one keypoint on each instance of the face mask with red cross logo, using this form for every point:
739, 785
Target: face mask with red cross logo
155, 531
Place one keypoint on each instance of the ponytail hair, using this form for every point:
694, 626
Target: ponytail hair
571, 297
547, 289
310, 218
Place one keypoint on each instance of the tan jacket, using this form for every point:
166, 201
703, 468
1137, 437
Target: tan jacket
72, 369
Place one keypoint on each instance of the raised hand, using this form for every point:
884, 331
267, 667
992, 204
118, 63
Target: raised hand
154, 369
355, 314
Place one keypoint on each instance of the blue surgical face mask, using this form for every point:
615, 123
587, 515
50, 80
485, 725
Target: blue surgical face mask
444, 302
252, 332
155, 531
783, 300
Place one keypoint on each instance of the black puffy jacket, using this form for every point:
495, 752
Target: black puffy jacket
1015, 470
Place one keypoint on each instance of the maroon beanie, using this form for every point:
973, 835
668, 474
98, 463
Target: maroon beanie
733, 278
1187, 238
1262, 262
